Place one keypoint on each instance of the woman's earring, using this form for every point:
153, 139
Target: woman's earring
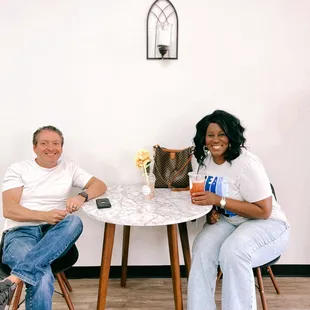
205, 150
229, 145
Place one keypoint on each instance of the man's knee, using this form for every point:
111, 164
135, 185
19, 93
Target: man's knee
73, 224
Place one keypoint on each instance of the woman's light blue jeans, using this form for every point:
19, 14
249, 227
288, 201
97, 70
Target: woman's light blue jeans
237, 249
29, 252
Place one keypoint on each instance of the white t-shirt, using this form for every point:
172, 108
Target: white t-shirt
44, 189
245, 179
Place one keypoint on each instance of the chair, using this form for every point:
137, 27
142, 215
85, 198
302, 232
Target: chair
58, 267
258, 272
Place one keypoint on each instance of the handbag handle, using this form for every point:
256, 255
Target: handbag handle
172, 150
182, 168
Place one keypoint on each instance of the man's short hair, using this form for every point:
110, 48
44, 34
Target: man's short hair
49, 128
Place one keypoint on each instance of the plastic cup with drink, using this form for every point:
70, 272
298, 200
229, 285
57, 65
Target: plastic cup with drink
196, 182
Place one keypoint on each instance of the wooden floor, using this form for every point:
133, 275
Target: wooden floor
156, 294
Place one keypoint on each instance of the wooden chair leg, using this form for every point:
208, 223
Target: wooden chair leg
18, 293
63, 275
273, 279
64, 291
261, 288
126, 236
185, 247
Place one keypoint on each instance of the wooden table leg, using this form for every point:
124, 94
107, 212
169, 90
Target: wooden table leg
185, 247
175, 265
108, 240
126, 236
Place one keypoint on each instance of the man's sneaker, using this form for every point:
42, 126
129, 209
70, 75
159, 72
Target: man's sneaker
7, 289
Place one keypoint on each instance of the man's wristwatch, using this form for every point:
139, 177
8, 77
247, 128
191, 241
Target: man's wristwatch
223, 203
84, 194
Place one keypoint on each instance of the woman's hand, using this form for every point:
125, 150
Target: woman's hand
213, 216
206, 198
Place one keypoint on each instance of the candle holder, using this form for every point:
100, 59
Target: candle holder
163, 49
162, 29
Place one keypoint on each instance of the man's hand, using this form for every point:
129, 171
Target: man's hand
74, 203
54, 216
213, 216
206, 198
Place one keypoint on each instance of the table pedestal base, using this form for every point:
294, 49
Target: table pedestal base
107, 248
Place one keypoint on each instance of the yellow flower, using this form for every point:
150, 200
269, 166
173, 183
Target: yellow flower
143, 158
143, 154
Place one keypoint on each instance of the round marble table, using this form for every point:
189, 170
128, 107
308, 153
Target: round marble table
131, 208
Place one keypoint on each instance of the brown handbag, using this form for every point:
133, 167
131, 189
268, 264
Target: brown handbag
171, 167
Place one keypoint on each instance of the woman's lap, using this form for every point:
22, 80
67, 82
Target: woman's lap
261, 240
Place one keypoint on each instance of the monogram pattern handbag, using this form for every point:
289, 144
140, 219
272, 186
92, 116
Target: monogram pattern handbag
171, 167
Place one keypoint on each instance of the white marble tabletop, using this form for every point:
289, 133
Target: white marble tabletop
130, 207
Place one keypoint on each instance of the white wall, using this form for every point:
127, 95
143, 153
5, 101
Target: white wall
81, 66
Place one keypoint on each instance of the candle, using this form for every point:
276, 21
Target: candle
164, 35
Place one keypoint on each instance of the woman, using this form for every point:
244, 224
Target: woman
245, 229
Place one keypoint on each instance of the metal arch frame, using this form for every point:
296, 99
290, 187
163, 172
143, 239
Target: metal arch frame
166, 19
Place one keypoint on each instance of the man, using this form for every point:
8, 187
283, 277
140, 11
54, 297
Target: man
40, 225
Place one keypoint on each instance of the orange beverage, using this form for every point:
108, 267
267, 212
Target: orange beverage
197, 186
197, 182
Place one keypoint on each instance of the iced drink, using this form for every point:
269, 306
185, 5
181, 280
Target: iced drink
197, 186
196, 182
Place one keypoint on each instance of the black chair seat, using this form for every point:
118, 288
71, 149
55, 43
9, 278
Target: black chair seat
66, 261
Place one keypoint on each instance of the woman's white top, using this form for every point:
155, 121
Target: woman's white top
245, 179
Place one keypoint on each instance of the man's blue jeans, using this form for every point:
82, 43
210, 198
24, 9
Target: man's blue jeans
29, 252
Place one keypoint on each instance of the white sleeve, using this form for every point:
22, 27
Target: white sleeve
12, 178
80, 177
254, 182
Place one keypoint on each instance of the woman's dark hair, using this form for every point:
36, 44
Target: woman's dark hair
232, 128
